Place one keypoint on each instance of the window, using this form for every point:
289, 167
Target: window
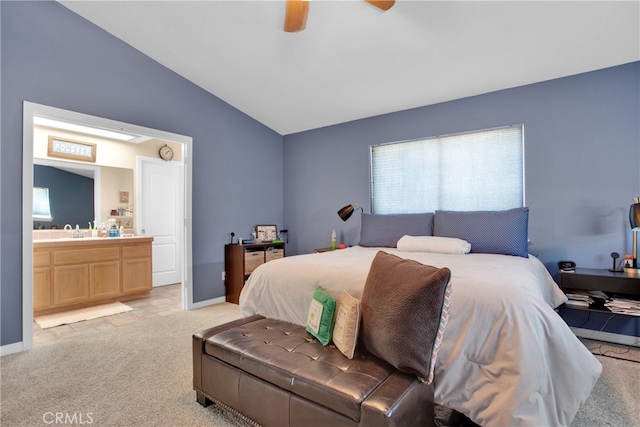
481, 170
41, 207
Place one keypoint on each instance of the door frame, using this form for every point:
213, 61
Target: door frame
30, 110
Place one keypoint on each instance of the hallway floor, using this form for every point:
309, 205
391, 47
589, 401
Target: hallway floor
164, 300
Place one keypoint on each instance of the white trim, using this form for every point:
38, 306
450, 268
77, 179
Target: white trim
16, 347
607, 336
209, 302
30, 110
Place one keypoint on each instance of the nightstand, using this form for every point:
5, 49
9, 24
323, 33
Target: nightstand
241, 260
596, 321
594, 279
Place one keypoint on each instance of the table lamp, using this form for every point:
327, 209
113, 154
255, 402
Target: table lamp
346, 212
634, 220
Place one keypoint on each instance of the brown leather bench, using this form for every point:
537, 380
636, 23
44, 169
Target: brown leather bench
276, 374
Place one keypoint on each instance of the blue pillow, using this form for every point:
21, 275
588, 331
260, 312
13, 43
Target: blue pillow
386, 230
492, 232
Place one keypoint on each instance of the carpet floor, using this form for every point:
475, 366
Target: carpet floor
141, 375
137, 375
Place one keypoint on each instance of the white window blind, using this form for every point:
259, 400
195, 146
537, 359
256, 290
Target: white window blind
41, 206
482, 170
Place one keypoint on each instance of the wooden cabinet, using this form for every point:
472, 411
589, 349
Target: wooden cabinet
41, 280
136, 268
69, 274
104, 279
241, 260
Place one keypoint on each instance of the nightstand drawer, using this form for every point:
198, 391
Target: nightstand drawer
274, 254
252, 260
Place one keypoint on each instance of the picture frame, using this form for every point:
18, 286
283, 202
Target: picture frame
71, 149
266, 233
124, 197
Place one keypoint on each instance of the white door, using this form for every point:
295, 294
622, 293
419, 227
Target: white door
161, 216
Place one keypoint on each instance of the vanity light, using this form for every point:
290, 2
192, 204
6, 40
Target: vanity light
121, 136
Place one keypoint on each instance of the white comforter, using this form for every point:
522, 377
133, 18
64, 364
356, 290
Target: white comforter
507, 358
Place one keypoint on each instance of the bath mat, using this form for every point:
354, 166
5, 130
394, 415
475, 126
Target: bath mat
73, 316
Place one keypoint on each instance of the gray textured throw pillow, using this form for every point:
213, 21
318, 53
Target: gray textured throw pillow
404, 309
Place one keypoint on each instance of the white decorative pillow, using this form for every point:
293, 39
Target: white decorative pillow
435, 244
347, 324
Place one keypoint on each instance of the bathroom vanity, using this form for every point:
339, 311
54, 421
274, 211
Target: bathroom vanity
77, 273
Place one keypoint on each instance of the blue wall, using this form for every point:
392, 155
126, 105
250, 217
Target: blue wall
582, 150
71, 196
54, 57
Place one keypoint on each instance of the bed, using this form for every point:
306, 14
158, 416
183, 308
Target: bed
507, 358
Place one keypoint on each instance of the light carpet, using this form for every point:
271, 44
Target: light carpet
73, 316
140, 374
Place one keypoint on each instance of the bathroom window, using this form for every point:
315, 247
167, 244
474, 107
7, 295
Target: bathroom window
41, 206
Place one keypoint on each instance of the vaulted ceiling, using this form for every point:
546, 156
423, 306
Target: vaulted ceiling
354, 60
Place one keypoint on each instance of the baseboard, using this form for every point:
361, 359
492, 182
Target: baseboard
208, 302
607, 336
16, 347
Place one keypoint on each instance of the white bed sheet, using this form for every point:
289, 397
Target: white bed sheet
507, 358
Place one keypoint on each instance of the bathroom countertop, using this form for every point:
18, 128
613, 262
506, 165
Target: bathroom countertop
90, 241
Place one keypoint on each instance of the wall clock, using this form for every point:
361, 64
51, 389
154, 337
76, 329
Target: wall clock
166, 153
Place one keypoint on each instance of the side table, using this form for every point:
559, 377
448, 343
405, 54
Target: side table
597, 321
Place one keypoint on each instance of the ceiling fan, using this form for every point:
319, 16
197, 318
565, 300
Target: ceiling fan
297, 10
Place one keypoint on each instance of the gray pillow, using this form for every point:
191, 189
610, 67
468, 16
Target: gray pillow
493, 232
405, 307
386, 230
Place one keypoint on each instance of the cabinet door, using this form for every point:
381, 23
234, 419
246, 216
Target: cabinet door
136, 275
70, 284
41, 288
104, 279
252, 260
274, 254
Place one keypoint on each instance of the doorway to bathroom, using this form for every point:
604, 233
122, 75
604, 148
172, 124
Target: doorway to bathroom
183, 266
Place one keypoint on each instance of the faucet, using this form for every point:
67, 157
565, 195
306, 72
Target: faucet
77, 233
74, 233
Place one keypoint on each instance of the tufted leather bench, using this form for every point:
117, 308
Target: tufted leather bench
276, 374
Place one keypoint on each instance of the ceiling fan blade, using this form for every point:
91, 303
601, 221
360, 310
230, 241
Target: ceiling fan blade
296, 17
381, 4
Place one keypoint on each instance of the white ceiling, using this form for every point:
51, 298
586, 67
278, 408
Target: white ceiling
355, 61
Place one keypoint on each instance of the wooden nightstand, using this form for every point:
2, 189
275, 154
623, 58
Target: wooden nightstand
241, 260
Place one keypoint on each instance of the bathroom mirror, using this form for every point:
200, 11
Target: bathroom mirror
71, 196
80, 193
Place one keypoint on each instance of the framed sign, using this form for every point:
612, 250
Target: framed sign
266, 233
70, 149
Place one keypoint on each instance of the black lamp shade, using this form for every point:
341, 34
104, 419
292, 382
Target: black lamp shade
345, 212
634, 215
